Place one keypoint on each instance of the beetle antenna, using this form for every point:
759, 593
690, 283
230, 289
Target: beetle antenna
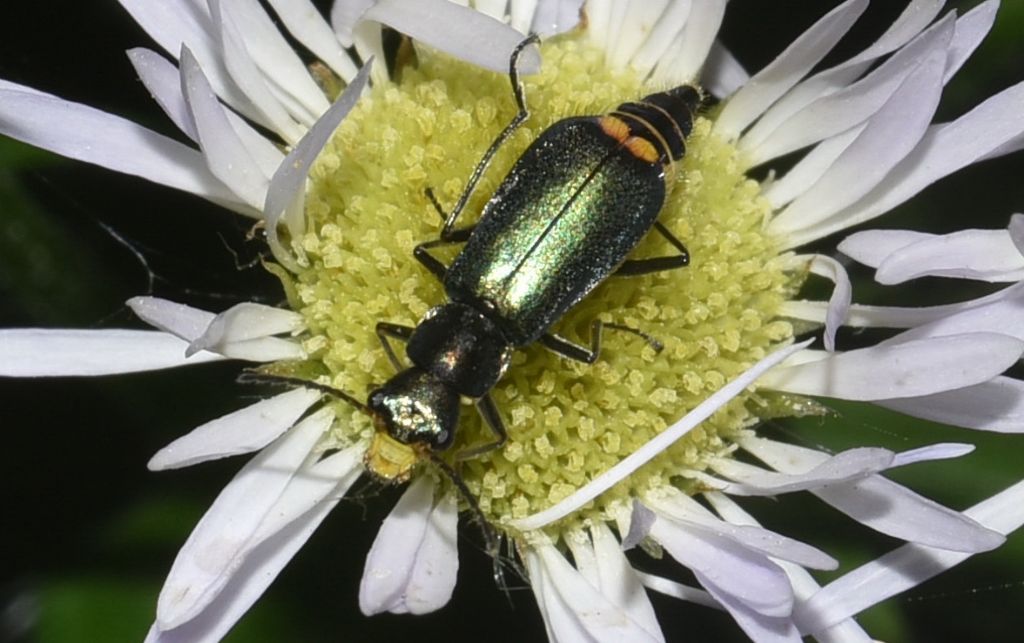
248, 377
492, 539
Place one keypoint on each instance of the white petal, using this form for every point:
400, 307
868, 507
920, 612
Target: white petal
905, 369
303, 21
657, 444
943, 150
693, 517
904, 568
914, 18
264, 562
839, 302
247, 76
678, 590
235, 330
223, 150
726, 568
852, 464
661, 35
86, 134
1016, 231
804, 585
551, 16
162, 80
39, 352
996, 405
618, 581
722, 74
984, 255
1004, 315
682, 63
413, 563
224, 536
345, 15
243, 431
810, 168
276, 58
769, 84
575, 610
759, 627
892, 133
459, 31
851, 105
882, 504
186, 322
289, 181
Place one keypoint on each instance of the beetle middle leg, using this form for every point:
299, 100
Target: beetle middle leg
521, 115
633, 267
574, 351
395, 331
492, 418
432, 263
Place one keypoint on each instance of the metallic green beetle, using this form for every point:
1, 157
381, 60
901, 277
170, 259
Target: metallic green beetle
566, 217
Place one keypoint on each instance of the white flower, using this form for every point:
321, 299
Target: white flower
258, 120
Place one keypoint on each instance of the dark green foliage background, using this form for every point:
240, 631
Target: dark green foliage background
89, 532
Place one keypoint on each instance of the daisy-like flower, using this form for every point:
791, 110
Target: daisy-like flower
644, 448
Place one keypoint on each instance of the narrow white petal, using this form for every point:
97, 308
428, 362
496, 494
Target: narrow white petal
904, 568
810, 168
223, 150
661, 36
585, 610
657, 444
244, 72
971, 29
872, 247
678, 590
905, 369
683, 62
289, 181
619, 581
223, 537
303, 20
914, 18
86, 134
852, 105
43, 352
996, 405
437, 563
175, 23
243, 431
413, 563
725, 568
459, 31
694, 518
1016, 231
804, 585
943, 150
559, 620
633, 28
839, 302
276, 58
261, 566
892, 133
161, 78
983, 255
722, 74
759, 627
769, 84
1004, 315
186, 322
389, 562
345, 16
941, 451
245, 322
852, 464
882, 504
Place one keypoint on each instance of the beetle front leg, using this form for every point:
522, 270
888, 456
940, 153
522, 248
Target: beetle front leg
395, 331
492, 418
574, 351
432, 263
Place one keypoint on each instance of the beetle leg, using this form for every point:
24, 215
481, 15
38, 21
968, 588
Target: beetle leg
521, 115
396, 331
635, 267
492, 418
565, 348
432, 263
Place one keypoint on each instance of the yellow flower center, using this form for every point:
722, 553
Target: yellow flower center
567, 421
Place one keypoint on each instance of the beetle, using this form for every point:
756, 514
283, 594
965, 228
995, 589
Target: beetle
565, 218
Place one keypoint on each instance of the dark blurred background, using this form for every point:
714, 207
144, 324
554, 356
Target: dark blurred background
89, 533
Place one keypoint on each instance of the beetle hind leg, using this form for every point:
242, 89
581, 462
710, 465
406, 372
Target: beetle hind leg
492, 418
566, 348
634, 267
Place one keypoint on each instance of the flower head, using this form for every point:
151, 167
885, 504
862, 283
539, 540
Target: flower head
649, 445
